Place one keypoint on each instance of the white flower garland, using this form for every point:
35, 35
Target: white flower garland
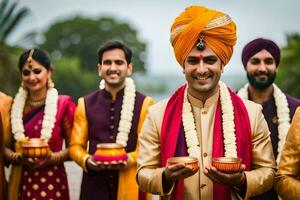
283, 113
126, 111
191, 138
49, 117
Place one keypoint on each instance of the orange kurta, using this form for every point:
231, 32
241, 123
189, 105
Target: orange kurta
5, 104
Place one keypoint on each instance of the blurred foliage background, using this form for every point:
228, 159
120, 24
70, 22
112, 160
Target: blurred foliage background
289, 68
82, 37
73, 43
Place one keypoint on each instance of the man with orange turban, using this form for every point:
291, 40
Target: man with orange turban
204, 121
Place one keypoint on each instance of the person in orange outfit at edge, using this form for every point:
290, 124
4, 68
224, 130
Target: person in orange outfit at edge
100, 117
287, 181
39, 112
204, 119
5, 104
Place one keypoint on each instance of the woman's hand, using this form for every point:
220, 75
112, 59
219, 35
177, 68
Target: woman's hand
34, 163
53, 158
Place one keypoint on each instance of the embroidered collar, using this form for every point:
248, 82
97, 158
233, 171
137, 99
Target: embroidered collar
208, 103
126, 111
283, 113
49, 117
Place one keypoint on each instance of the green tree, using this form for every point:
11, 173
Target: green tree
9, 72
70, 79
10, 17
289, 68
81, 37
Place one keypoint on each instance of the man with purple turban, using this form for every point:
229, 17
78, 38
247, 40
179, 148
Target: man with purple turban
261, 58
204, 119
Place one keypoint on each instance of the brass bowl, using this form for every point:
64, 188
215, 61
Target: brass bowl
186, 160
35, 147
227, 164
110, 153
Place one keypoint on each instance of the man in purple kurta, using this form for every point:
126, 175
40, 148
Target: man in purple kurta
261, 58
100, 118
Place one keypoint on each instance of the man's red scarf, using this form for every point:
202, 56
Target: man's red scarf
171, 129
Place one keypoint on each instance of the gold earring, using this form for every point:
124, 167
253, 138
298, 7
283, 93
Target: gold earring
50, 83
23, 85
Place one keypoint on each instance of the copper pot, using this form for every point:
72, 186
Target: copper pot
35, 147
110, 153
227, 164
186, 160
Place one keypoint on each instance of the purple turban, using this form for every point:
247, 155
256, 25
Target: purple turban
256, 46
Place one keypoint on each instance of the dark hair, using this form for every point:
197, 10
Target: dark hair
114, 44
38, 55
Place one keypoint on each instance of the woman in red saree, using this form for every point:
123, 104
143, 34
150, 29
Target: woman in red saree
39, 112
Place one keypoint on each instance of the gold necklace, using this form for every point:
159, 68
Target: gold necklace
35, 103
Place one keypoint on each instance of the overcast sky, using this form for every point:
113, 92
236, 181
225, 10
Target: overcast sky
152, 18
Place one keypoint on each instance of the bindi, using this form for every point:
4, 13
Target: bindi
200, 56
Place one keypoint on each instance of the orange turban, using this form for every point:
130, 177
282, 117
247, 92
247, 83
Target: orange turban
218, 29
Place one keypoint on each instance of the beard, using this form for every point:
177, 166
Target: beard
261, 85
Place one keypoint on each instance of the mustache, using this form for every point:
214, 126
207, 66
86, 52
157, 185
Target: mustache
261, 73
205, 74
200, 76
109, 72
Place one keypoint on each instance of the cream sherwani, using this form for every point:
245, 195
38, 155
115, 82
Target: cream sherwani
199, 186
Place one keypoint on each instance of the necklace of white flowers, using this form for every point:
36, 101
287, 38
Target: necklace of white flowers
283, 113
228, 125
49, 117
126, 111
